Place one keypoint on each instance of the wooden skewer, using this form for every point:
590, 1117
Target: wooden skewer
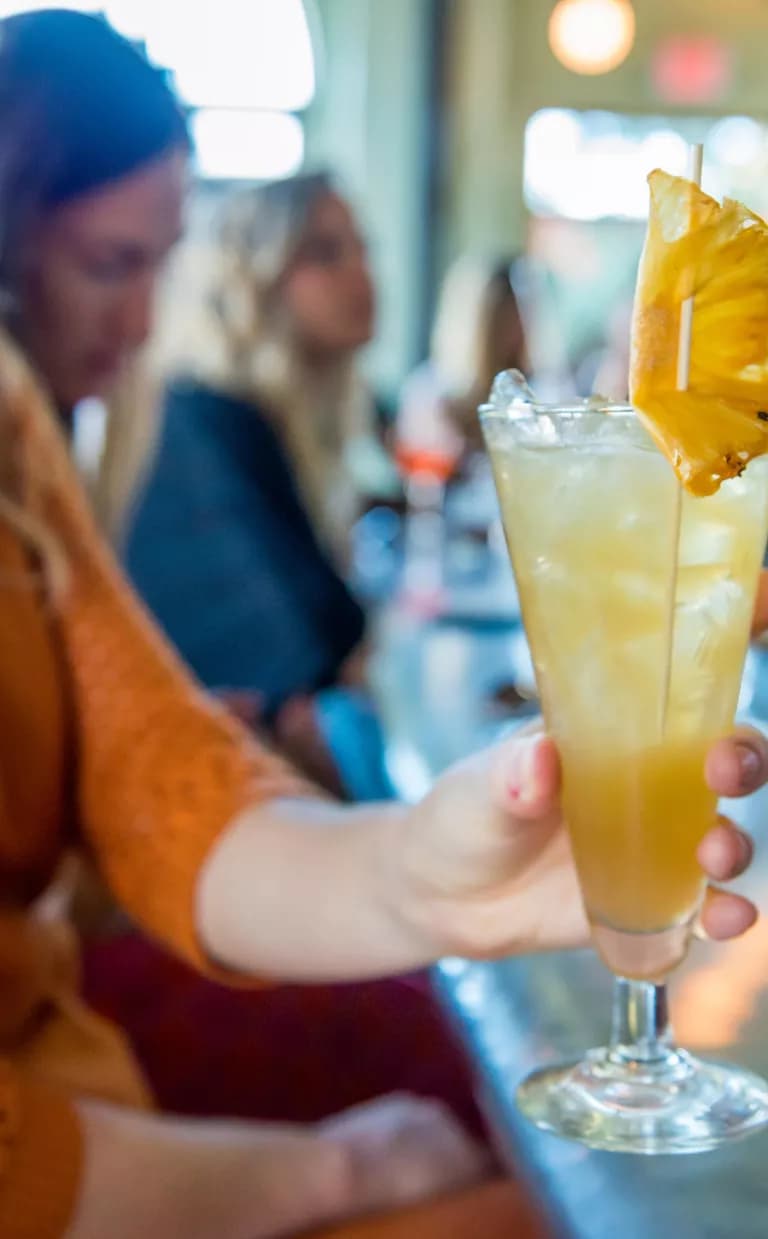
695, 161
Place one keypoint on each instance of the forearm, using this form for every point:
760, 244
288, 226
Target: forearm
158, 1177
136, 1176
306, 890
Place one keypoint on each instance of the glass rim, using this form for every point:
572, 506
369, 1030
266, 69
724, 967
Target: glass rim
521, 411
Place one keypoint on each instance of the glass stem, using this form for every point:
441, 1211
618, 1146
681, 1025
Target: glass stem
640, 1028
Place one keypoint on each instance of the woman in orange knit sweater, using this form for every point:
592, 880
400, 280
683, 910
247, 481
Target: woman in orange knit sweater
209, 842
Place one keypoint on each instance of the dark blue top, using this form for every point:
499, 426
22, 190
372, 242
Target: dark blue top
222, 550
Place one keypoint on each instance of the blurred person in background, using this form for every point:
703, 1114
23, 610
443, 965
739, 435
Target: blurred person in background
478, 332
238, 539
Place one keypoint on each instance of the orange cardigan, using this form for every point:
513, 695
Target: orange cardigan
105, 744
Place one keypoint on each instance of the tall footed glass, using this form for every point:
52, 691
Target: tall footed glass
637, 600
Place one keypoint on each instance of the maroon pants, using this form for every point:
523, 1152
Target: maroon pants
294, 1053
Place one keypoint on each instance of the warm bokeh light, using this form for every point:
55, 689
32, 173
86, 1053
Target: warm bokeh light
716, 1002
592, 36
692, 69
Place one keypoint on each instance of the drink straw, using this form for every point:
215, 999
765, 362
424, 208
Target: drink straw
695, 161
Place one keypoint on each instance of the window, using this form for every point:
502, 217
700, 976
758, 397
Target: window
593, 165
245, 67
585, 188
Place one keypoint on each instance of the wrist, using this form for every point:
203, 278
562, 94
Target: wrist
406, 891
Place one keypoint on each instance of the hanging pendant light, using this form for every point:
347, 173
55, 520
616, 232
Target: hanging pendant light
592, 36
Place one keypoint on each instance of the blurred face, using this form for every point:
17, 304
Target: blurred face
327, 288
90, 276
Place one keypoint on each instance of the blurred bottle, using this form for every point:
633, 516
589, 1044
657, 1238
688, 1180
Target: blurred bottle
427, 450
427, 443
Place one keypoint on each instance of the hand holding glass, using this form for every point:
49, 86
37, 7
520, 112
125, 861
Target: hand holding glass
637, 600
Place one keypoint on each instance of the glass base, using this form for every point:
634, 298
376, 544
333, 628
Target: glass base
643, 956
678, 1104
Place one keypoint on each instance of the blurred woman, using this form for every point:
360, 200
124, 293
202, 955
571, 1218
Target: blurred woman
478, 332
239, 536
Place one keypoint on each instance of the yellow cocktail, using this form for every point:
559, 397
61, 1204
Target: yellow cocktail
637, 601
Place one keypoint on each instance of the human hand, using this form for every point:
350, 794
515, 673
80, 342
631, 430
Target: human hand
487, 864
158, 1176
403, 1150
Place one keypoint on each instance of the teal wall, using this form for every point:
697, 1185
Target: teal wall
369, 125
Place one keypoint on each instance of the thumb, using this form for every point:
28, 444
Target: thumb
499, 809
525, 778
485, 826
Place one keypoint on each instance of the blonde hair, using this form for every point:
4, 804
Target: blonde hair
224, 323
117, 448
26, 414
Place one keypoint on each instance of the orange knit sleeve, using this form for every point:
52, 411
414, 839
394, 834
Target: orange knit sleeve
161, 769
40, 1157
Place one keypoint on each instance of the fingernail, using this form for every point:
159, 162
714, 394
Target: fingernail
522, 781
750, 766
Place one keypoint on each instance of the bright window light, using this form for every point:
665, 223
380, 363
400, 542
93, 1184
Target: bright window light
223, 53
8, 8
737, 140
227, 54
594, 165
247, 145
245, 66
